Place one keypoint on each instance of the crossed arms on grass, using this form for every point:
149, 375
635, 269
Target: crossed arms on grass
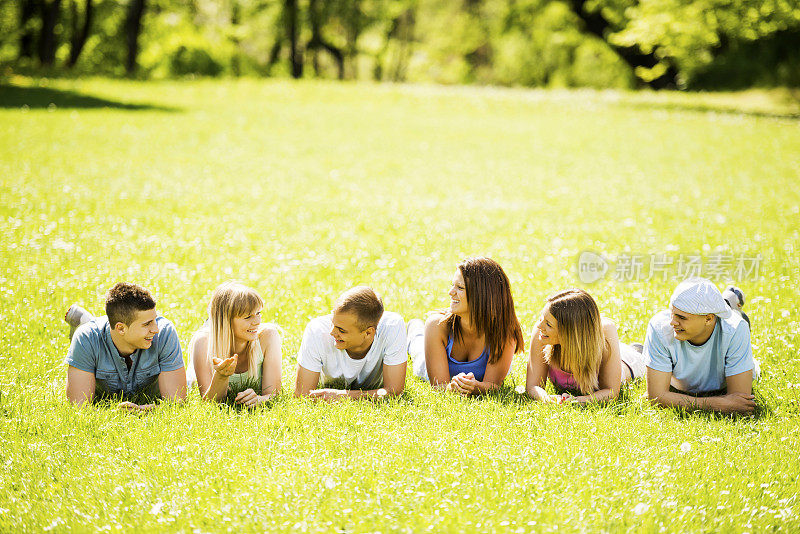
436, 363
738, 399
81, 386
394, 381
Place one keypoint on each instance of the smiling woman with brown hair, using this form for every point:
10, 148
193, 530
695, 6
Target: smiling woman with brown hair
468, 348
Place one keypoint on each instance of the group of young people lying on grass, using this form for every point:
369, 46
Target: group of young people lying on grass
696, 354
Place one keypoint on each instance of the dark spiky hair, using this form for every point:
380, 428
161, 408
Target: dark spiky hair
124, 300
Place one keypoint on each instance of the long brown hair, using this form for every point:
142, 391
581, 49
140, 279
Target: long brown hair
580, 335
491, 306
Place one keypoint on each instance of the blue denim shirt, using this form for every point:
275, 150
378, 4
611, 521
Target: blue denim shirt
93, 351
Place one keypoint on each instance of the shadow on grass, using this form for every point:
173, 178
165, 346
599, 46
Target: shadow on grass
711, 108
14, 96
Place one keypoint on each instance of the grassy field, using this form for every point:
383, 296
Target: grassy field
304, 189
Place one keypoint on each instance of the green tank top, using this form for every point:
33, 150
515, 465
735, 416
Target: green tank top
237, 380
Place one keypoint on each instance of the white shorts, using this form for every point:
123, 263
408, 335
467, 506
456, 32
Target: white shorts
633, 359
415, 343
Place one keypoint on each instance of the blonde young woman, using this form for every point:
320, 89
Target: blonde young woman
233, 348
579, 352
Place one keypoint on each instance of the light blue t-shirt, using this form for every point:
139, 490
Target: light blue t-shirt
93, 351
703, 368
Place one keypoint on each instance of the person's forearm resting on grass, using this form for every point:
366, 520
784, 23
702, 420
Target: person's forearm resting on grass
172, 384
438, 368
81, 386
394, 379
738, 399
270, 373
467, 384
609, 380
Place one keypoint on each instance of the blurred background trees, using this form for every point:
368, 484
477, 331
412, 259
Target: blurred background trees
549, 43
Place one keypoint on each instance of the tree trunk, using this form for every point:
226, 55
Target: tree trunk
378, 69
236, 64
79, 36
318, 42
27, 39
354, 27
406, 36
596, 24
295, 56
47, 37
133, 27
274, 54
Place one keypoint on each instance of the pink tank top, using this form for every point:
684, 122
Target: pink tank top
562, 379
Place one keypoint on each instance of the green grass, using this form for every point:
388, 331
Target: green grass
304, 189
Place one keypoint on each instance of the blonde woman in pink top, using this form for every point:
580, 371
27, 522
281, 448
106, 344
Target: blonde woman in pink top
579, 352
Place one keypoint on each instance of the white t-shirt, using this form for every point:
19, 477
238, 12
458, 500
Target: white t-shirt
318, 352
699, 369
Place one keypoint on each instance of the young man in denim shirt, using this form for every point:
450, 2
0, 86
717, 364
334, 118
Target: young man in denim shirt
130, 351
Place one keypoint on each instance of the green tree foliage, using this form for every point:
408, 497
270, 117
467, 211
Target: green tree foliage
550, 43
691, 34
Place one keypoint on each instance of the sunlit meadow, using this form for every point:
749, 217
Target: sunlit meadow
304, 189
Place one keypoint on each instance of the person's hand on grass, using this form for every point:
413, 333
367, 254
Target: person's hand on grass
250, 398
133, 407
566, 398
463, 383
738, 403
225, 367
328, 394
541, 395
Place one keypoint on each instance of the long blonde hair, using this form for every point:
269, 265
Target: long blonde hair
231, 300
580, 334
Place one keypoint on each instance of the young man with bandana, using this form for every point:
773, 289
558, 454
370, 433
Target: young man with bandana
130, 351
698, 353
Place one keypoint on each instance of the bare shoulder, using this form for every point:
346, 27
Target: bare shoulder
511, 346
434, 325
268, 332
199, 342
609, 327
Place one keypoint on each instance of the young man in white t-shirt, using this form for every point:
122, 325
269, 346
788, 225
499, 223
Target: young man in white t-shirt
358, 344
698, 353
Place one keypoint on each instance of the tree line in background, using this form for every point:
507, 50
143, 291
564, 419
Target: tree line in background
594, 43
